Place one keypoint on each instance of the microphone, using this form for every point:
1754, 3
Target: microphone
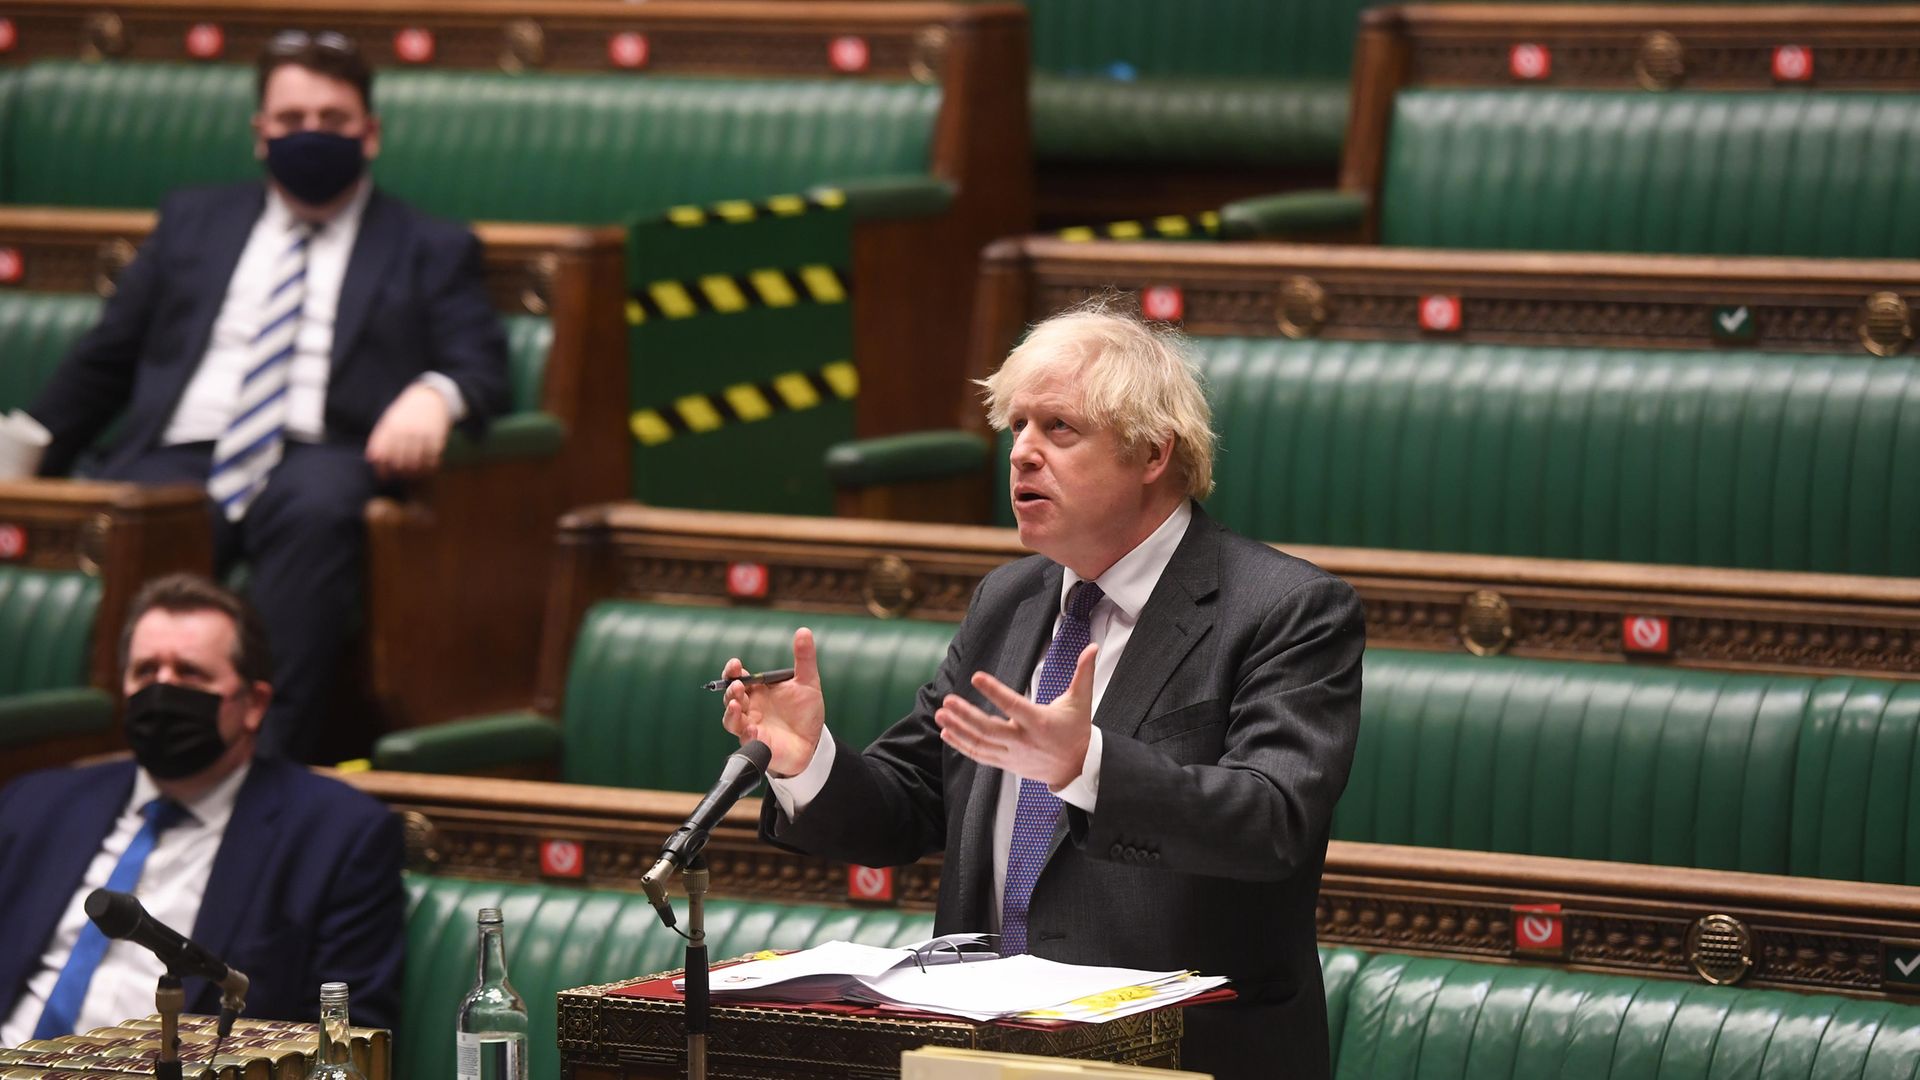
120, 916
742, 771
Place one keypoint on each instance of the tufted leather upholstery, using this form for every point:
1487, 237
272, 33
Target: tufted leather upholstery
1447, 1019
473, 145
1742, 459
561, 938
46, 628
635, 713
1773, 774
36, 329
1776, 173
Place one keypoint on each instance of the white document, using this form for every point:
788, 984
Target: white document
989, 989
829, 972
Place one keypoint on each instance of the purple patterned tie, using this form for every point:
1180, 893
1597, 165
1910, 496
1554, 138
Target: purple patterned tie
1039, 809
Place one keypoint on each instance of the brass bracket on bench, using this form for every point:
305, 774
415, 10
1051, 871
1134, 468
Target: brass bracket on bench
104, 37
1486, 623
1662, 62
525, 47
929, 55
889, 589
1301, 309
113, 257
1720, 948
1886, 324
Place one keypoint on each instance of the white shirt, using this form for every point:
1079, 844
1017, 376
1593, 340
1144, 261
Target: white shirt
1127, 584
207, 405
172, 884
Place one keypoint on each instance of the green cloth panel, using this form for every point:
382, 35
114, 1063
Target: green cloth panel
529, 340
893, 459
1735, 458
46, 628
559, 938
473, 145
1436, 1019
1772, 173
1208, 38
635, 713
470, 744
1296, 213
1771, 774
1215, 121
36, 330
519, 437
48, 714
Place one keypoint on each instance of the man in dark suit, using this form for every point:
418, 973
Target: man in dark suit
291, 346
291, 877
1132, 750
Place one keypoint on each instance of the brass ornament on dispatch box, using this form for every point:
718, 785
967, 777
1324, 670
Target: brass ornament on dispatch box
525, 47
1662, 61
113, 257
1486, 623
1302, 307
103, 37
929, 54
537, 297
1720, 949
1886, 324
890, 590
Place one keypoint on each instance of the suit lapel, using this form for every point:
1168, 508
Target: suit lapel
237, 867
380, 236
1173, 621
83, 824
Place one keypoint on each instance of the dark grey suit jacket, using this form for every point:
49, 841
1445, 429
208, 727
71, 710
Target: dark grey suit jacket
1228, 730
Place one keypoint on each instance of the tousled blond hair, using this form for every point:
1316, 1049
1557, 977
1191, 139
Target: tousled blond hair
1135, 380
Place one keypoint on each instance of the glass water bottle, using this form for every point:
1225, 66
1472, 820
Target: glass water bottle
493, 1019
333, 1056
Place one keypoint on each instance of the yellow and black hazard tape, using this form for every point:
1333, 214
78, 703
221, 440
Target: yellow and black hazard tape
744, 403
728, 294
1165, 227
741, 211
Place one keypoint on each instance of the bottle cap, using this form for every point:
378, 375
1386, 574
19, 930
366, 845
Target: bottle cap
333, 993
490, 915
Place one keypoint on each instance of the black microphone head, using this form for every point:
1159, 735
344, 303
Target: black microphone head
117, 914
757, 754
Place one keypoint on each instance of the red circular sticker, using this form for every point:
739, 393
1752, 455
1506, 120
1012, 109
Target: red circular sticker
9, 37
869, 883
1163, 303
1529, 62
627, 50
746, 579
413, 45
205, 41
1441, 313
1792, 63
561, 858
13, 541
848, 53
12, 266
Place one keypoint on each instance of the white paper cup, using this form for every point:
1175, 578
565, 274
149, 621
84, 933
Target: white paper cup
23, 442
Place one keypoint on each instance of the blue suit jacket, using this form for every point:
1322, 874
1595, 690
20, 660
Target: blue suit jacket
305, 889
413, 300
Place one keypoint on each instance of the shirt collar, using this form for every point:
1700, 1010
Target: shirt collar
278, 215
1130, 581
212, 808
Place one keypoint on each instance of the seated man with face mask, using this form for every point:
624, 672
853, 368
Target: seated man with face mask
289, 876
289, 346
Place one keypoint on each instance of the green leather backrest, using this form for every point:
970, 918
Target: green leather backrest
635, 714
1772, 774
1435, 1019
1208, 38
1780, 173
37, 329
474, 145
1742, 459
560, 938
46, 628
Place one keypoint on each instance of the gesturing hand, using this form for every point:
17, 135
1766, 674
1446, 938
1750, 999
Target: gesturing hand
787, 716
1037, 742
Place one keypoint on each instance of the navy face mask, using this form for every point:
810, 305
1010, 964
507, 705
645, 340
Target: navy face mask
316, 166
174, 731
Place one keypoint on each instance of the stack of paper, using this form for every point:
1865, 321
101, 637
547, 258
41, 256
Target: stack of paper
973, 988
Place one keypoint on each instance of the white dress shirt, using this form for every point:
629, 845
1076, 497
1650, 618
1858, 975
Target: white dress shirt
208, 403
172, 884
1126, 585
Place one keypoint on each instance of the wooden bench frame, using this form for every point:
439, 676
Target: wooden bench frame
977, 52
1648, 48
431, 566
1798, 933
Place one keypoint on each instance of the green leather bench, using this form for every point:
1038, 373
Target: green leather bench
1730, 458
560, 938
634, 712
46, 642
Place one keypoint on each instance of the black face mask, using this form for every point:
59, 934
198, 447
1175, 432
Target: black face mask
316, 166
174, 730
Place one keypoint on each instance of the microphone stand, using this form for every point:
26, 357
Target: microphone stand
170, 1000
698, 1006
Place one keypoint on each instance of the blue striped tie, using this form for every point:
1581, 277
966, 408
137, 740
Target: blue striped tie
1038, 811
256, 436
70, 990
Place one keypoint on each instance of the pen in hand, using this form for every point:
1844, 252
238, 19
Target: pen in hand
762, 679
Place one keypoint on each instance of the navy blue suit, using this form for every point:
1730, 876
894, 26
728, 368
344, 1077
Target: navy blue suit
413, 300
305, 889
